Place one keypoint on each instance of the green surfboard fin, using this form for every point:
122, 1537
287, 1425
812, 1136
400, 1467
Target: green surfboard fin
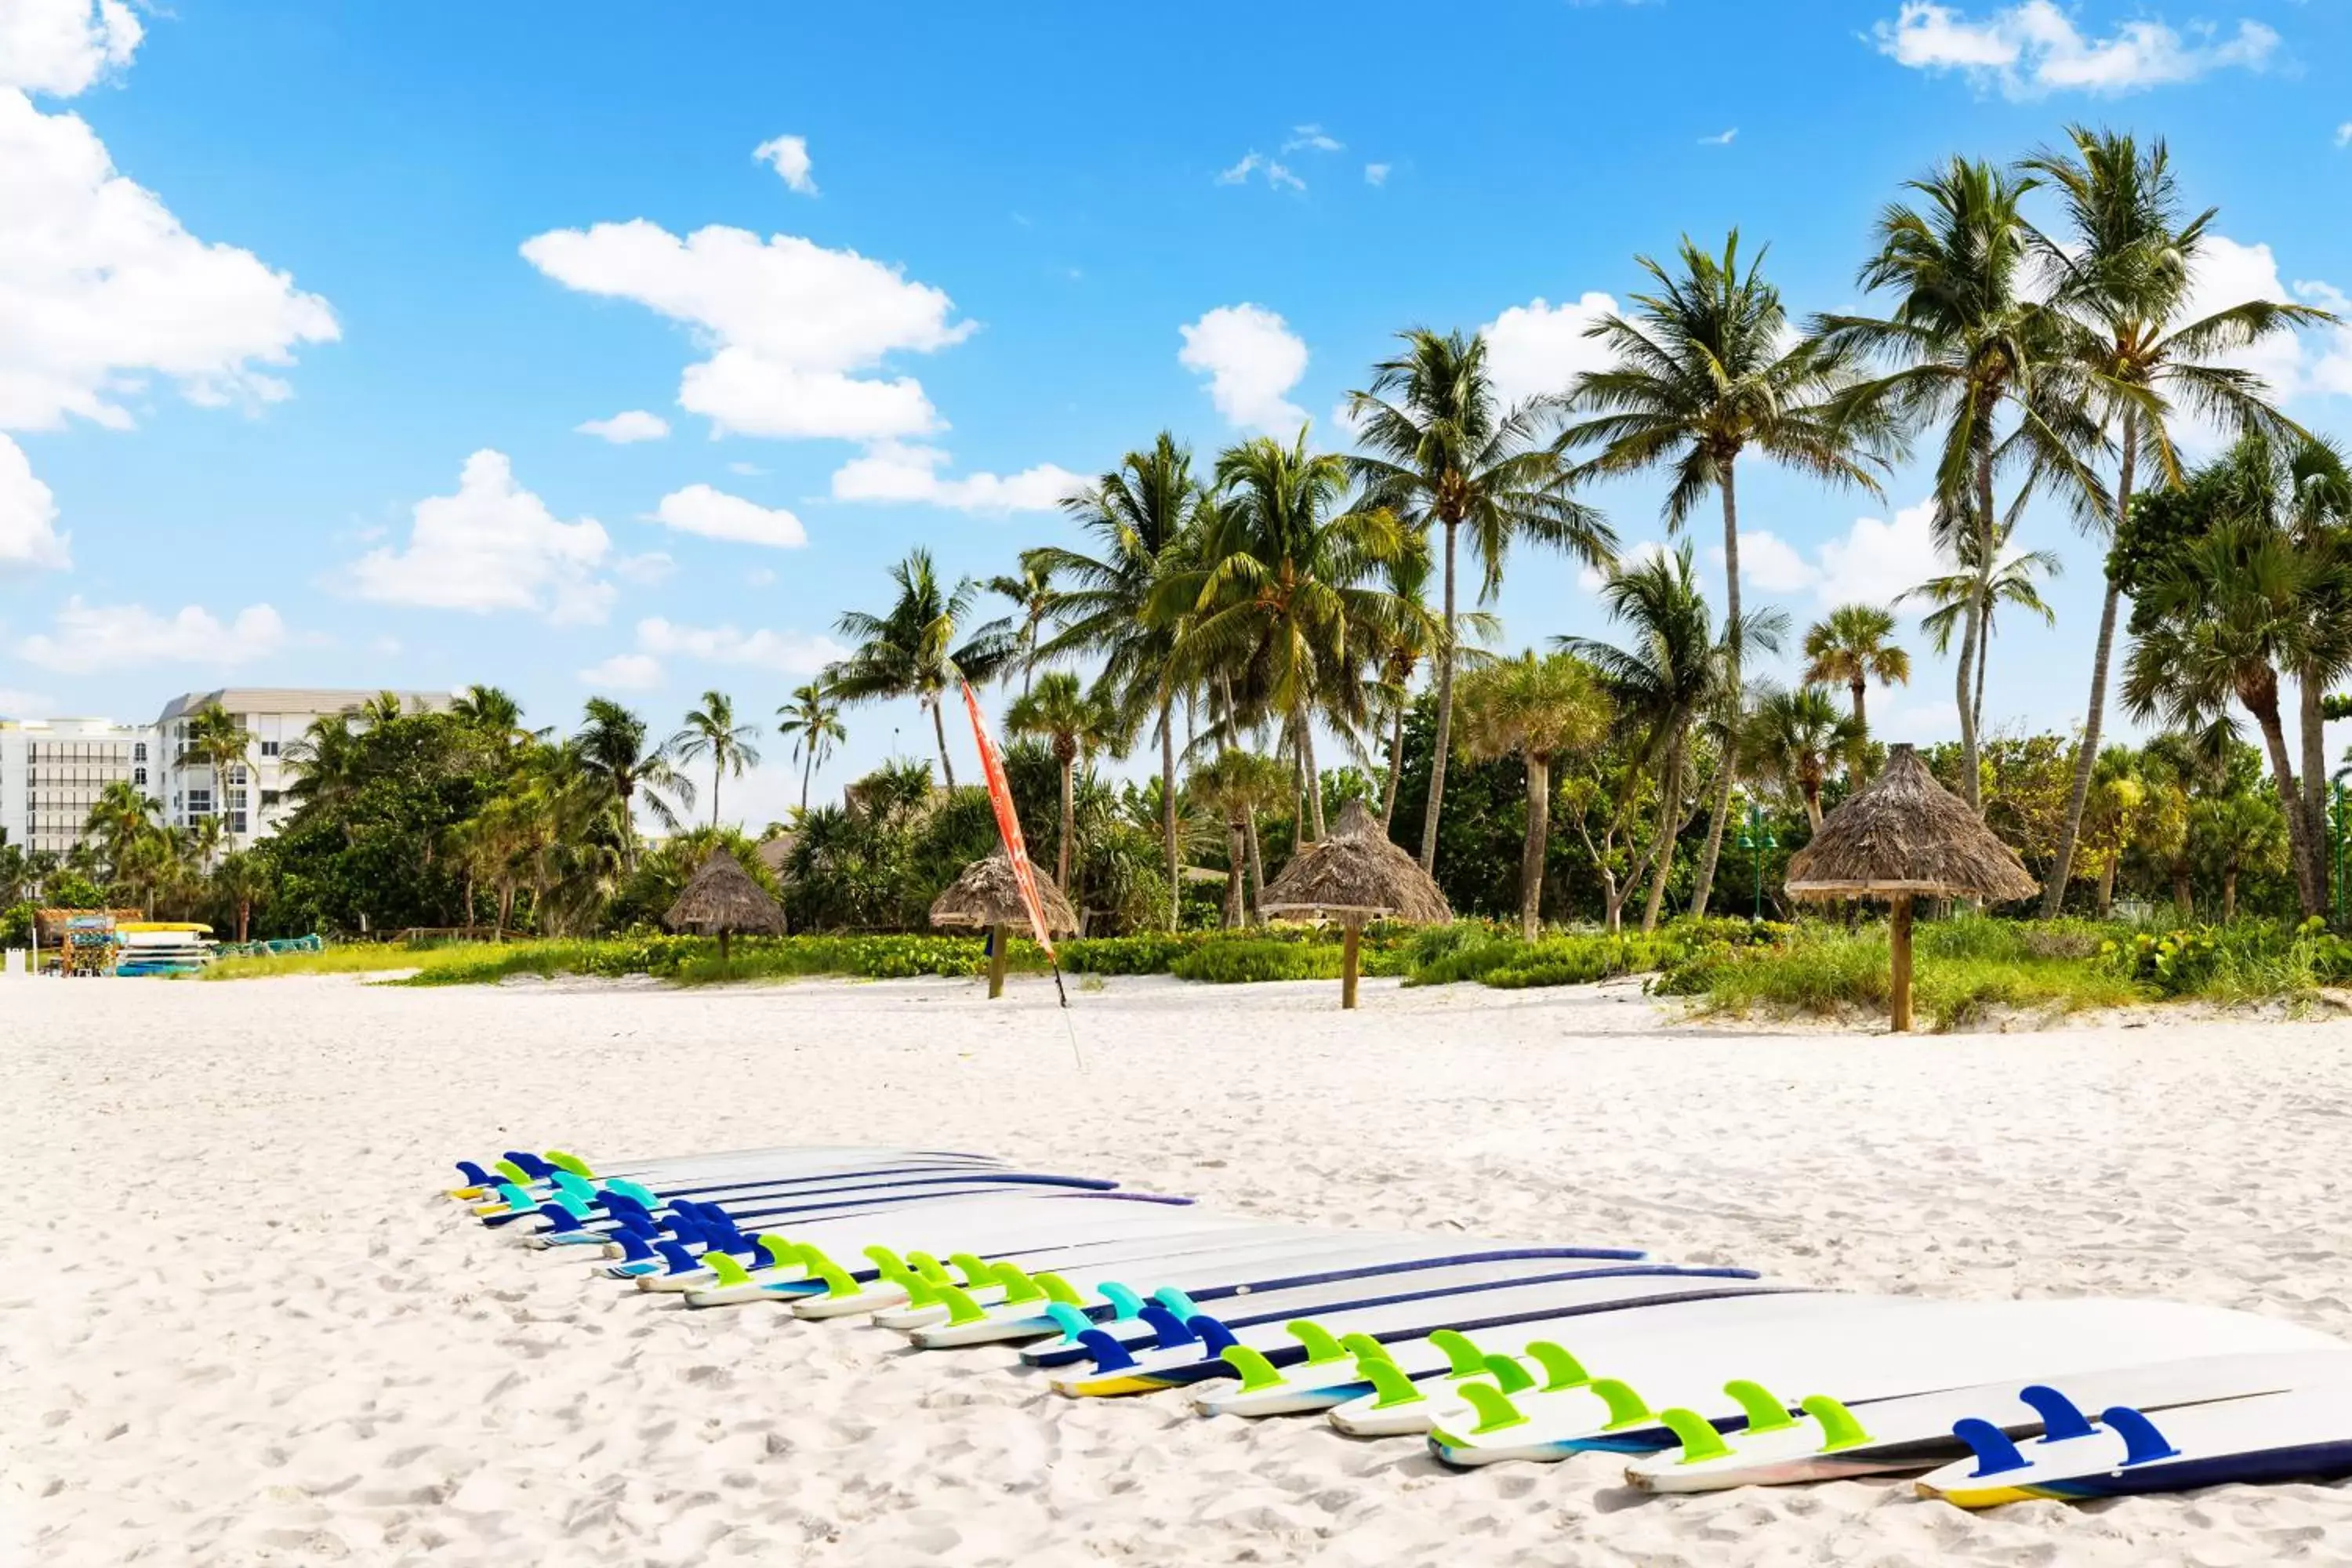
975, 1273
563, 1159
1389, 1382
1256, 1372
782, 1253
511, 1172
1018, 1287
1057, 1289
1700, 1440
1321, 1348
1496, 1411
1561, 1371
1626, 1408
931, 1270
1839, 1427
1464, 1358
1362, 1345
837, 1282
1508, 1374
962, 1308
729, 1272
1765, 1414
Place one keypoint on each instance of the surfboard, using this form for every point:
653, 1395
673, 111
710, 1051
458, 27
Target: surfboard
1854, 1349
1832, 1441
536, 1170
1205, 1350
563, 1227
596, 1207
2121, 1451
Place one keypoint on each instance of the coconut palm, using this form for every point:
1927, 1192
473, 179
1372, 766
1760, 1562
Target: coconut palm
1852, 646
242, 880
611, 748
1791, 739
118, 820
911, 650
2119, 800
2123, 279
1031, 592
1703, 372
1988, 575
1533, 709
1439, 450
1970, 345
1237, 784
1413, 640
812, 718
1075, 723
1143, 520
218, 740
490, 710
711, 732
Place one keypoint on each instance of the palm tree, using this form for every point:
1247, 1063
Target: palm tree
218, 740
711, 732
2124, 276
2119, 798
490, 710
1144, 520
1031, 590
2234, 834
242, 880
611, 748
1282, 601
911, 649
1075, 722
1237, 784
1535, 709
1967, 341
324, 762
1791, 739
1440, 452
812, 718
1673, 672
1988, 575
119, 818
1702, 372
1852, 646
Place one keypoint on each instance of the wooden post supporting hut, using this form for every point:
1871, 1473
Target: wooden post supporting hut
1354, 875
988, 896
1906, 837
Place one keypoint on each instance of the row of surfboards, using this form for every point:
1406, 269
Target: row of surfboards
1491, 1349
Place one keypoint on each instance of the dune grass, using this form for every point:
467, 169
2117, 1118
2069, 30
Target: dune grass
359, 958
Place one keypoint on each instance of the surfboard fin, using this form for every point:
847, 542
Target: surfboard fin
1109, 1353
1839, 1427
633, 1192
1508, 1374
1561, 1371
1175, 1300
728, 1271
1626, 1408
2060, 1418
1074, 1324
1168, 1330
1256, 1372
1389, 1382
1496, 1411
475, 1175
1321, 1347
1463, 1358
511, 1172
962, 1308
975, 1273
1362, 1345
1057, 1289
782, 1253
565, 1160
1700, 1440
2143, 1444
1764, 1413
1018, 1287
1995, 1454
1123, 1302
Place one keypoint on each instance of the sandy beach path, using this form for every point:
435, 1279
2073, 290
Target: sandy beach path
238, 1326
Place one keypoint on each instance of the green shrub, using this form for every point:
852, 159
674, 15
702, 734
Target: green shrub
1244, 960
1153, 953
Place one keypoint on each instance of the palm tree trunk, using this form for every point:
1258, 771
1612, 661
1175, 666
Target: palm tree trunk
2228, 892
1256, 868
1314, 777
808, 766
628, 824
2265, 709
2107, 883
1445, 737
1236, 859
2312, 722
1069, 825
2095, 715
717, 771
1964, 698
1396, 763
940, 729
1532, 857
1984, 657
1669, 800
1721, 812
1168, 811
2183, 899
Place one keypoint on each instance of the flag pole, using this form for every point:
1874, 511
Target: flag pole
1016, 855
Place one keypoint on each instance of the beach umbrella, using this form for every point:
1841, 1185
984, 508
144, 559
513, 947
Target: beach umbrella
1356, 874
722, 900
987, 896
1906, 836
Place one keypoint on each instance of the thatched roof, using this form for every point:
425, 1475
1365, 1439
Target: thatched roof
986, 895
776, 854
1357, 871
722, 897
1904, 833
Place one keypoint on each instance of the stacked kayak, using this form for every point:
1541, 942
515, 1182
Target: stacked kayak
1486, 1350
161, 947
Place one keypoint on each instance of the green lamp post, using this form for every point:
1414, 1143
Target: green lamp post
1756, 837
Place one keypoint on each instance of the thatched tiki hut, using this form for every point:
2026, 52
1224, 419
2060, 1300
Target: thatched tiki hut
1906, 836
722, 900
989, 896
1355, 875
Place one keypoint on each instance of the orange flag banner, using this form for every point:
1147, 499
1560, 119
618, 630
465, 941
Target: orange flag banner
1008, 823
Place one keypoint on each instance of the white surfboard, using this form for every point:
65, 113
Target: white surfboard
1833, 1441
775, 1194
811, 1156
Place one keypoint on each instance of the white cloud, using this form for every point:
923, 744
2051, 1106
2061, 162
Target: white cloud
715, 514
1591, 578
1252, 359
1312, 139
1769, 562
17, 704
2035, 48
897, 471
2316, 363
1877, 559
1376, 173
101, 288
1720, 139
1537, 348
647, 571
1894, 718
790, 325
2344, 134
623, 672
632, 425
787, 653
1277, 175
62, 46
29, 540
89, 637
749, 470
491, 546
789, 157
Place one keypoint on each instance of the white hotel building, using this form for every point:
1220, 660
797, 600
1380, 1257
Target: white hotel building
52, 770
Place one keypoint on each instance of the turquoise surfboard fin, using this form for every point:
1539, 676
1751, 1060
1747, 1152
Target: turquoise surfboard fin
1072, 1321
1175, 1300
1125, 1303
631, 1190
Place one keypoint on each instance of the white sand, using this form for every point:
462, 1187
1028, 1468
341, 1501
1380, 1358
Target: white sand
239, 1325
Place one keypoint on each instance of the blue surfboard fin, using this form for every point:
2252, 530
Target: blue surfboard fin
681, 1261
1109, 1353
558, 1217
475, 1175
2143, 1444
1168, 1330
2060, 1418
632, 1246
1995, 1454
537, 1168
1215, 1338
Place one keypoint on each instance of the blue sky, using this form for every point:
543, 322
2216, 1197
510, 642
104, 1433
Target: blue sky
301, 307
